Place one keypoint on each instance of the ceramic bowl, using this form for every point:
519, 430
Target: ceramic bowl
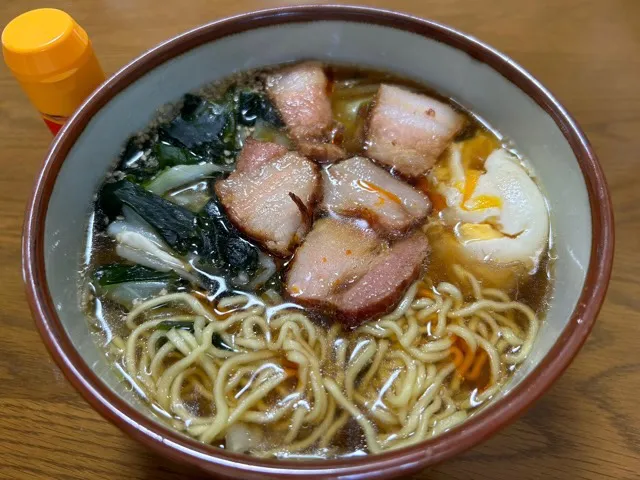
480, 78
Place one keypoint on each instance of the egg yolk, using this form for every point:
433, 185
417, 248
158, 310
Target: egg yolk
468, 189
473, 153
469, 232
476, 150
482, 202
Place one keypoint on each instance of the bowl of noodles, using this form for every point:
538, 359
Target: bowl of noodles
357, 256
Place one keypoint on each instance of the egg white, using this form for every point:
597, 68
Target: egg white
515, 231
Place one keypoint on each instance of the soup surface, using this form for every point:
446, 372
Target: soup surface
317, 261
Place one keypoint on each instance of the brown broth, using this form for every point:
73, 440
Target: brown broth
531, 288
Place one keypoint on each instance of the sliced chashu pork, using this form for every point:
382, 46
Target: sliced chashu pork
301, 95
322, 152
408, 131
271, 195
359, 188
255, 154
345, 270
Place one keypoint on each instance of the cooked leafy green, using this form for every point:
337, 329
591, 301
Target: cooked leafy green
275, 283
140, 166
208, 234
128, 293
181, 175
184, 150
126, 284
253, 106
216, 339
266, 132
178, 324
218, 342
202, 131
169, 155
193, 197
176, 225
116, 273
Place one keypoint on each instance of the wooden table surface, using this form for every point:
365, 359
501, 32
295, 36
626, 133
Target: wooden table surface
586, 427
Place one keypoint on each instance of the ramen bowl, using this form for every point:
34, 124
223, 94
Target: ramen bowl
480, 78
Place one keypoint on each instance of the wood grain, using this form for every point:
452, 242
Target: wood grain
586, 427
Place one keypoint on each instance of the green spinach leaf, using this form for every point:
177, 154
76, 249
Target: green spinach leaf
116, 273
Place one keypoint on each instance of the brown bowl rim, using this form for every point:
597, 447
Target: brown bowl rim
398, 462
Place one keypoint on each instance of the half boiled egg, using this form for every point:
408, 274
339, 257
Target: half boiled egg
497, 212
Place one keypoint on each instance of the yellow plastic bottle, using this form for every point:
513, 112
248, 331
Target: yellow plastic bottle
52, 58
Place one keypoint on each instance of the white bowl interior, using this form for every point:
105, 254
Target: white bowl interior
450, 71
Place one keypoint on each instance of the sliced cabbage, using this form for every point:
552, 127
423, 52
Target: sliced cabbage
138, 242
267, 267
181, 175
242, 437
127, 294
126, 284
194, 197
133, 222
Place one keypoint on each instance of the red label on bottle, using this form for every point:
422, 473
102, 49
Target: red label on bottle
54, 123
54, 127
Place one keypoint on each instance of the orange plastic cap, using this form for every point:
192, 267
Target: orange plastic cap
44, 42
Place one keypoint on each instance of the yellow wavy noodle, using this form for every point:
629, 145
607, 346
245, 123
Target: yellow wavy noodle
291, 386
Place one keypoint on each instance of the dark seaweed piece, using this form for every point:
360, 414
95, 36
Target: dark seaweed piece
191, 105
209, 234
115, 273
253, 106
212, 210
132, 161
176, 225
229, 249
132, 151
205, 128
240, 255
